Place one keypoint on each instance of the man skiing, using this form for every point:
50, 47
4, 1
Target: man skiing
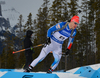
55, 38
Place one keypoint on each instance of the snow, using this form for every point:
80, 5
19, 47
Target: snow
2, 73
2, 37
12, 14
67, 74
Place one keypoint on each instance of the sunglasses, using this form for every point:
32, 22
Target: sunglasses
75, 23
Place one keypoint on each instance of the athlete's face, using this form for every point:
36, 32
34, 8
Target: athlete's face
74, 24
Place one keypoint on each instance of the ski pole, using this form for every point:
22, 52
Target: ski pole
27, 48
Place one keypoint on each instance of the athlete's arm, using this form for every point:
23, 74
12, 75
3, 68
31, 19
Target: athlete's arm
53, 28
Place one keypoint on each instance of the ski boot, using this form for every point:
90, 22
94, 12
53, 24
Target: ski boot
50, 70
29, 69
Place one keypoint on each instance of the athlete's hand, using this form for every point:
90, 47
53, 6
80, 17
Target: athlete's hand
48, 41
67, 51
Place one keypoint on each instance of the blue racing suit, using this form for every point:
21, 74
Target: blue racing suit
60, 36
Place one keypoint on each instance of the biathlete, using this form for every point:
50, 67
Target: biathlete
55, 38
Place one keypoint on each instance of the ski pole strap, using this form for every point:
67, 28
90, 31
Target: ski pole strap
62, 27
72, 34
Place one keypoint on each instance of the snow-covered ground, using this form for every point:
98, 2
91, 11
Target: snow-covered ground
67, 74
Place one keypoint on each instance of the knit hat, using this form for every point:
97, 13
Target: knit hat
75, 19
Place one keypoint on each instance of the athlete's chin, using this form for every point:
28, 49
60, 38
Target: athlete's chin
74, 28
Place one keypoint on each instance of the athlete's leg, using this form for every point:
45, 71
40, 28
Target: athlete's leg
44, 52
42, 55
57, 58
57, 53
55, 63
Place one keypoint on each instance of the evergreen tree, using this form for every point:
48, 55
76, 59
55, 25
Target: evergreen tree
7, 56
85, 36
20, 27
91, 22
3, 60
97, 29
73, 6
10, 59
21, 60
87, 31
29, 23
58, 12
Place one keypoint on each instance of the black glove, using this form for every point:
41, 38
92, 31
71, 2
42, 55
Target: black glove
48, 41
67, 51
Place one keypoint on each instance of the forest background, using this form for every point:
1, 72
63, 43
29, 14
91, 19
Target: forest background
85, 49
